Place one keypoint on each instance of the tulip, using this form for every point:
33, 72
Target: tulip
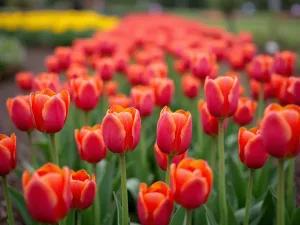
136, 75
235, 58
121, 62
90, 144
157, 69
261, 68
46, 80
20, 112
52, 64
119, 99
155, 204
191, 182
190, 86
63, 55
294, 90
7, 154
105, 68
222, 95
83, 189
285, 63
162, 158
181, 66
24, 80
267, 87
163, 90
245, 111
111, 88
86, 92
74, 72
50, 186
202, 64
143, 99
78, 58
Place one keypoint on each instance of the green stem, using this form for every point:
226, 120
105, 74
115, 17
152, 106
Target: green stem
212, 152
32, 150
96, 201
290, 187
86, 118
199, 124
124, 190
143, 157
54, 150
170, 158
280, 193
8, 203
260, 101
77, 217
221, 183
249, 196
189, 214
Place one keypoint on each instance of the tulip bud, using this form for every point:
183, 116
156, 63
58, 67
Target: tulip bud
143, 99
90, 144
7, 154
280, 129
245, 111
162, 158
155, 204
83, 188
86, 92
163, 90
51, 186
222, 95
46, 80
121, 129
20, 113
261, 68
111, 88
191, 182
24, 80
174, 131
52, 64
190, 86
119, 99
285, 63
251, 150
105, 68
50, 110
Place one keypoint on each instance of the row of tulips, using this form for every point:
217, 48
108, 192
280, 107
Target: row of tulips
50, 192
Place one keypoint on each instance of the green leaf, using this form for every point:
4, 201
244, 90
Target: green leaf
199, 216
210, 220
133, 185
178, 216
231, 217
295, 217
119, 209
268, 210
254, 212
19, 202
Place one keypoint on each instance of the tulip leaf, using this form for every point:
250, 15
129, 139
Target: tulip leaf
119, 209
199, 216
254, 212
295, 217
210, 220
231, 217
133, 185
178, 216
18, 172
19, 202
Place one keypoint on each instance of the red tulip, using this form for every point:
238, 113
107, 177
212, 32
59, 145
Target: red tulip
202, 64
181, 66
111, 88
46, 80
155, 204
74, 72
50, 110
268, 89
222, 95
90, 144
261, 68
157, 69
119, 99
136, 75
78, 58
52, 64
105, 68
24, 80
121, 129
285, 63
20, 113
50, 186
162, 158
235, 58
7, 154
294, 90
121, 62
190, 86
174, 131
191, 182
245, 111
251, 149
86, 92
163, 90
280, 129
143, 99
63, 55
83, 188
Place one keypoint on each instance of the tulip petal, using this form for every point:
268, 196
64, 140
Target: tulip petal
214, 98
37, 102
162, 214
88, 96
186, 135
65, 96
233, 97
143, 213
21, 114
5, 165
93, 148
255, 153
136, 130
166, 128
25, 178
88, 194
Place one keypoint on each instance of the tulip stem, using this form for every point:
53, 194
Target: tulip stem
212, 152
188, 218
143, 155
170, 158
280, 193
54, 150
221, 169
249, 196
86, 118
260, 101
32, 150
96, 201
77, 217
125, 219
199, 124
8, 203
290, 187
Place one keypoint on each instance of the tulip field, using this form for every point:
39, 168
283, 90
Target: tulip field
160, 120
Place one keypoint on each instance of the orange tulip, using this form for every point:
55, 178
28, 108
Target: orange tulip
143, 99
119, 99
202, 64
90, 144
24, 80
50, 186
50, 110
251, 150
155, 204
191, 182
86, 92
111, 88
174, 131
83, 188
52, 64
46, 80
285, 63
222, 95
105, 68
121, 129
245, 111
163, 90
7, 154
261, 68
235, 58
280, 129
20, 113
190, 86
